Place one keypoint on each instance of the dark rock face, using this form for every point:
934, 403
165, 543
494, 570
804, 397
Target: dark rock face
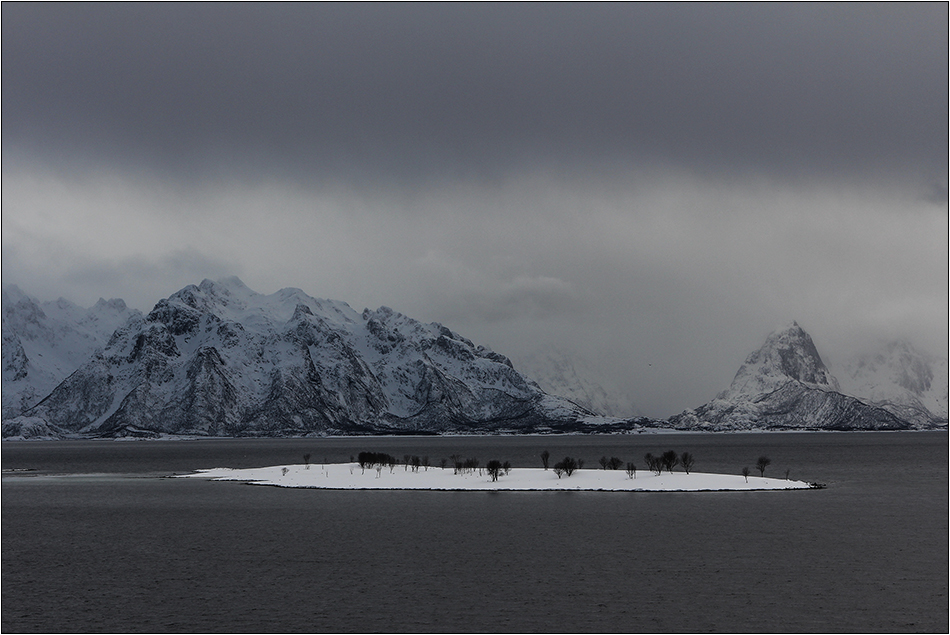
221, 360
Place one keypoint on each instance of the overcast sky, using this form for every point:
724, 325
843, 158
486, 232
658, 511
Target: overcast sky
652, 187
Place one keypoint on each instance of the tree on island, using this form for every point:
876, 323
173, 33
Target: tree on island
494, 468
631, 470
762, 463
306, 460
567, 466
687, 460
545, 457
654, 463
745, 473
670, 460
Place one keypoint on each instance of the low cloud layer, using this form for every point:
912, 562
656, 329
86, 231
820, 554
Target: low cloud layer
669, 284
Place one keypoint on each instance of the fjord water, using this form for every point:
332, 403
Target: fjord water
95, 540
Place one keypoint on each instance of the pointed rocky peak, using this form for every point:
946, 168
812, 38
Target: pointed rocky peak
789, 354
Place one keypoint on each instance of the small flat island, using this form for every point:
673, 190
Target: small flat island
351, 476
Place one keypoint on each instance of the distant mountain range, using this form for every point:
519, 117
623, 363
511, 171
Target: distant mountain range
785, 385
218, 359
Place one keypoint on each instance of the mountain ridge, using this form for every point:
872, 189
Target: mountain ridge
785, 385
218, 359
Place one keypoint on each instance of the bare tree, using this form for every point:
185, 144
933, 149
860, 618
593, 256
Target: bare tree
745, 473
306, 460
506, 466
545, 457
615, 463
687, 460
670, 460
603, 462
494, 468
631, 470
568, 465
654, 463
762, 463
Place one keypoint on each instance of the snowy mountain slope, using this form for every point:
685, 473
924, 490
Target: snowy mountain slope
219, 359
786, 385
43, 342
570, 376
900, 379
788, 354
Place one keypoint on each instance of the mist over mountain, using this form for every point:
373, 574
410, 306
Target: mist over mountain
785, 385
219, 359
904, 381
567, 374
43, 342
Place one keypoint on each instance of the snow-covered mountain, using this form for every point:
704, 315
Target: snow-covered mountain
219, 359
786, 385
571, 376
43, 342
900, 379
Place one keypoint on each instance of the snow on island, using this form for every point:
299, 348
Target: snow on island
350, 476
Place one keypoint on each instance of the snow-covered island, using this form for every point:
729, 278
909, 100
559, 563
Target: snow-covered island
350, 476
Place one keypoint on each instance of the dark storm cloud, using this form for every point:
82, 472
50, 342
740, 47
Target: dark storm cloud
655, 186
420, 90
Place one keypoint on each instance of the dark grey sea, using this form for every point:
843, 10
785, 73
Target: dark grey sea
94, 539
